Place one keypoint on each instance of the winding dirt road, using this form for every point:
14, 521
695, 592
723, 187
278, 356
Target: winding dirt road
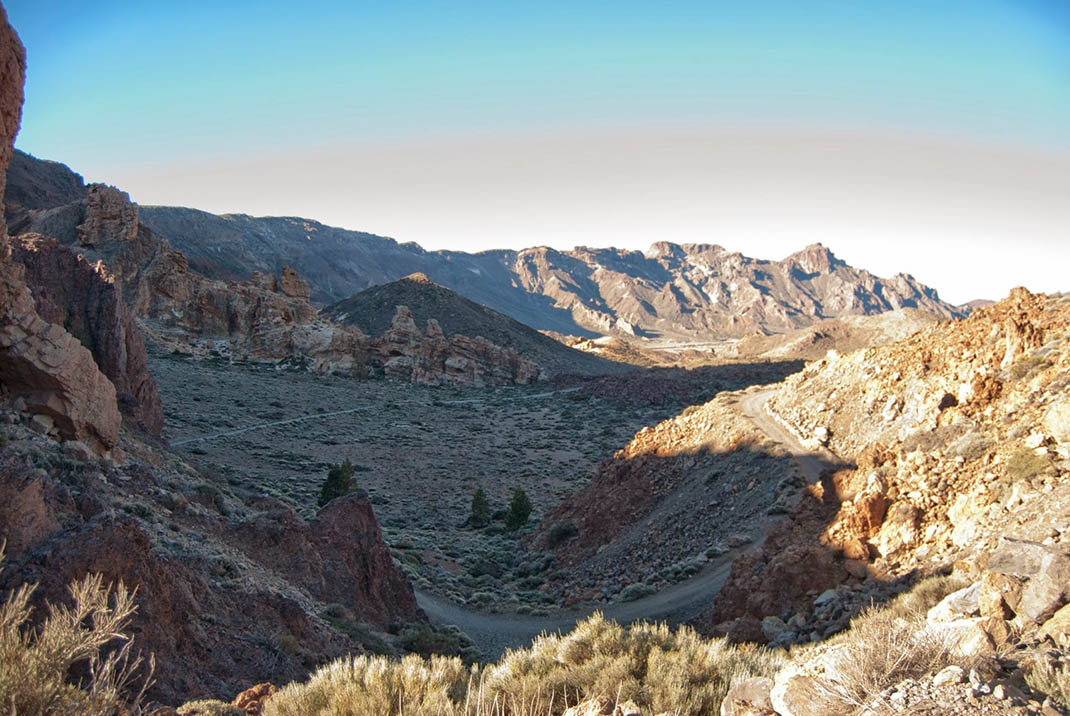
494, 633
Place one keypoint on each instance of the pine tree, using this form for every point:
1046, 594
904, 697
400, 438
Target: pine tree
519, 510
480, 509
339, 482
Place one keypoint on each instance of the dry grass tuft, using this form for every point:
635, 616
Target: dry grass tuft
35, 663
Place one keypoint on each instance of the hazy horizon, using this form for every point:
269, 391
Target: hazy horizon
933, 141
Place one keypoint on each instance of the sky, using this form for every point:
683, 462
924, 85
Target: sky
931, 138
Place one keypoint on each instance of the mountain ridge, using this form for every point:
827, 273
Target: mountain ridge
671, 290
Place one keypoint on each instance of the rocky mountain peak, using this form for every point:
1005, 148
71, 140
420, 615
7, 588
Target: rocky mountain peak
815, 259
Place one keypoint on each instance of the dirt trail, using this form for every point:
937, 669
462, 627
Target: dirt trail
494, 633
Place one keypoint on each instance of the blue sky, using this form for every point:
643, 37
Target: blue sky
173, 101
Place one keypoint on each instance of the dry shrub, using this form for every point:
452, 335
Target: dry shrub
660, 669
1049, 675
35, 662
209, 707
1024, 464
413, 686
886, 645
925, 595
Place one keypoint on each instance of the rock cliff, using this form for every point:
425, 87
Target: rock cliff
373, 311
676, 291
40, 362
69, 292
267, 317
230, 587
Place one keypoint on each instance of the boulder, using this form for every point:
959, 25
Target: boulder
805, 688
749, 697
1057, 421
1048, 590
962, 603
252, 700
1018, 558
999, 596
1057, 628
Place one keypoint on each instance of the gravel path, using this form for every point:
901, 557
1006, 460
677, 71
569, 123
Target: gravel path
494, 633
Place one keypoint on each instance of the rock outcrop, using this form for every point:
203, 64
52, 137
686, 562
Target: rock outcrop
110, 216
266, 318
374, 310
228, 592
69, 292
41, 363
432, 359
339, 557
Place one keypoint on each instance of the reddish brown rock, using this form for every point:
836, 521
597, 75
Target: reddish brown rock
999, 596
339, 557
292, 285
110, 216
84, 300
252, 700
12, 72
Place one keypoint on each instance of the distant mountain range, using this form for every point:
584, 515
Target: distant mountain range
672, 291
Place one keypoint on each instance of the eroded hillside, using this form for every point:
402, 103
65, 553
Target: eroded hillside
960, 435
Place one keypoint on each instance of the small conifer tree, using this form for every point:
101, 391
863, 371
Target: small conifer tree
519, 510
339, 482
480, 509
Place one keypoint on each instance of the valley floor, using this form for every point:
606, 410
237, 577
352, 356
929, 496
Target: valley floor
420, 452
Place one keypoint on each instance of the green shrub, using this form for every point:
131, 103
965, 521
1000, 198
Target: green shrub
519, 510
339, 482
428, 641
560, 533
636, 591
480, 516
